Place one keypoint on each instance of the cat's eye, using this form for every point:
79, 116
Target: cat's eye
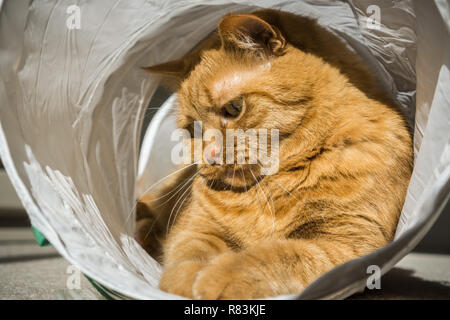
233, 108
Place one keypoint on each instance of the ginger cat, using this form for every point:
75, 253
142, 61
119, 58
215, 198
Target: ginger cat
345, 160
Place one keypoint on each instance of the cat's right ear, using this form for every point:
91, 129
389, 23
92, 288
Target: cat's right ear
174, 72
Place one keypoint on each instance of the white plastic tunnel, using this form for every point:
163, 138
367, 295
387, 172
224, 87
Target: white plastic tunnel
73, 96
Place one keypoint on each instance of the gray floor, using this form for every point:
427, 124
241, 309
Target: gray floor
28, 271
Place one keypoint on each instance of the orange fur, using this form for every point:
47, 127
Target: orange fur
345, 162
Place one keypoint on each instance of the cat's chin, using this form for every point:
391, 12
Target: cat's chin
230, 177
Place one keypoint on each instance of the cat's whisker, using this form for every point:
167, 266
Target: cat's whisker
307, 218
169, 175
159, 213
179, 188
179, 210
290, 193
232, 181
171, 108
175, 205
152, 114
258, 197
272, 212
243, 178
168, 193
157, 183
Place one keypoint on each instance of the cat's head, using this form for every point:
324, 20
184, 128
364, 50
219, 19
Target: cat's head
250, 79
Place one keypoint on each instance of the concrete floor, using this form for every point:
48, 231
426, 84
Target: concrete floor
28, 271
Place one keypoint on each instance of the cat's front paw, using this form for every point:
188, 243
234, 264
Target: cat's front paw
178, 279
231, 276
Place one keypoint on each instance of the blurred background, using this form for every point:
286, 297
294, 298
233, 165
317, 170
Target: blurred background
28, 271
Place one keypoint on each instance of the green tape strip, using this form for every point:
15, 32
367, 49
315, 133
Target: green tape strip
99, 289
40, 238
106, 292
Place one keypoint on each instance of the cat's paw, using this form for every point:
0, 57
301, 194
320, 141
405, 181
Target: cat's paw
179, 279
231, 276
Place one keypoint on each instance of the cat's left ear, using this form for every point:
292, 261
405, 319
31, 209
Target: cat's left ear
174, 71
249, 32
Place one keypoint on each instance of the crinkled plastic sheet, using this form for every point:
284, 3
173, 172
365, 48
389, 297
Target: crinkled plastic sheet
72, 103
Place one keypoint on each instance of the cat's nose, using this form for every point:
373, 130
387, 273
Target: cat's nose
213, 154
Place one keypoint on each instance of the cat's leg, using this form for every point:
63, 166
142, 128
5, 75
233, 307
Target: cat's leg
186, 252
273, 268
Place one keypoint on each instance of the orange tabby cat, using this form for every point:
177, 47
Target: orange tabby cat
345, 159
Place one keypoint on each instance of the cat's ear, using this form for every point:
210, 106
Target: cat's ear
176, 71
173, 71
248, 32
